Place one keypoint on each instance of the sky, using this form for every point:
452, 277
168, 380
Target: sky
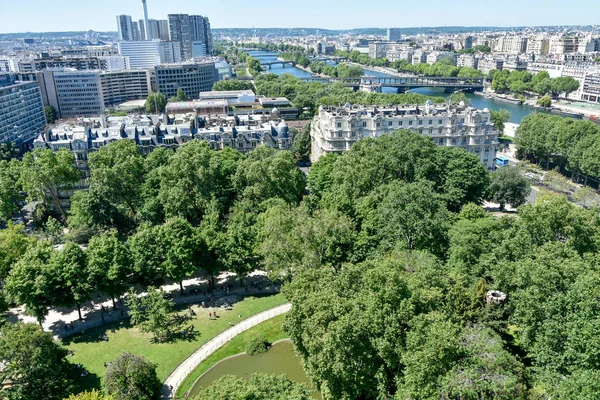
82, 15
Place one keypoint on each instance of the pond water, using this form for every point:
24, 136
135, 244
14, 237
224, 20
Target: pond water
280, 359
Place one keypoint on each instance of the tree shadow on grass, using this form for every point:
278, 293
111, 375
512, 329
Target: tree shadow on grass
85, 383
97, 334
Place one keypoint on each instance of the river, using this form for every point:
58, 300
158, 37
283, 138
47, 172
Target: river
517, 111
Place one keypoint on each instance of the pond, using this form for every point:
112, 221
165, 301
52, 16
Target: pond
280, 359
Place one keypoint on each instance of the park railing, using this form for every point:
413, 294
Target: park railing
176, 378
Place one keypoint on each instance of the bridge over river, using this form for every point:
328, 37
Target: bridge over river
405, 83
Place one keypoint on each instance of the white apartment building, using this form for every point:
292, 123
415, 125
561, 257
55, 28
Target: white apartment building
511, 44
336, 129
436, 56
114, 63
560, 45
419, 57
149, 54
591, 88
538, 45
467, 60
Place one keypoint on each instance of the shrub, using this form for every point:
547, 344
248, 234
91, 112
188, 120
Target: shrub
258, 345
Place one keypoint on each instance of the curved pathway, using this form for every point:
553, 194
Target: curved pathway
174, 380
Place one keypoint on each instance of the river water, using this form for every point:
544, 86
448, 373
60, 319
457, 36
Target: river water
517, 111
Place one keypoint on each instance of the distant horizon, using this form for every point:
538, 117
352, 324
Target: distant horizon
41, 16
330, 29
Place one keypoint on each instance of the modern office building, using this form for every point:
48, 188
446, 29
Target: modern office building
125, 27
86, 93
72, 93
22, 116
79, 63
192, 78
163, 30
121, 86
136, 30
142, 29
336, 129
114, 63
394, 34
150, 53
189, 29
591, 88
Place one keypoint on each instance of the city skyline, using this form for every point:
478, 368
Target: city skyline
71, 15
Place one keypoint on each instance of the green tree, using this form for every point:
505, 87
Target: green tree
108, 264
364, 333
456, 98
8, 151
155, 103
485, 369
320, 175
232, 84
70, 266
146, 256
508, 186
32, 283
499, 118
13, 245
545, 101
152, 313
51, 115
11, 198
432, 348
181, 95
93, 395
411, 216
182, 249
292, 239
114, 195
258, 387
266, 173
194, 176
34, 365
46, 174
131, 377
301, 143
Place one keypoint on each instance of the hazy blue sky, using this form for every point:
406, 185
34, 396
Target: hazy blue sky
71, 15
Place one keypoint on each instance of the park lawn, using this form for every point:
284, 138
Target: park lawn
270, 329
92, 353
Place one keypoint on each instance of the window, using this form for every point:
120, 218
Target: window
430, 131
400, 123
440, 130
421, 130
410, 122
390, 123
364, 124
430, 122
339, 124
440, 121
420, 122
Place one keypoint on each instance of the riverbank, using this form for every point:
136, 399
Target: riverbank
381, 70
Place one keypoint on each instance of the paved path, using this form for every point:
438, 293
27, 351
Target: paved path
174, 380
93, 316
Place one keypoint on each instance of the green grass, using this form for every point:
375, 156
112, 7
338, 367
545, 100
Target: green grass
92, 353
240, 72
270, 330
506, 138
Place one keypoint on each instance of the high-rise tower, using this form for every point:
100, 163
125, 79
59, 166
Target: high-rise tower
146, 26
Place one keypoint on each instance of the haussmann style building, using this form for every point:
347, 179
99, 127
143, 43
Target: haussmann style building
336, 129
